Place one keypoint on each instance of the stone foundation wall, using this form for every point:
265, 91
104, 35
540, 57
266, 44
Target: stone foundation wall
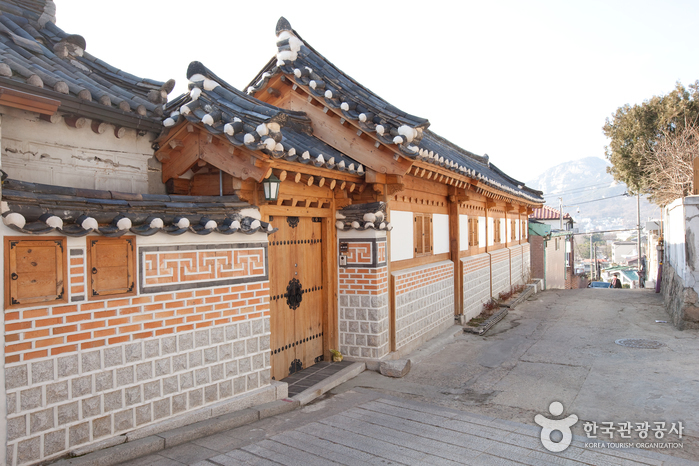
424, 299
526, 262
681, 303
516, 266
476, 273
500, 271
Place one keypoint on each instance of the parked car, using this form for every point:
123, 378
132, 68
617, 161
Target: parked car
600, 285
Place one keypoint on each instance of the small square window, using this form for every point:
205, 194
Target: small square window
111, 266
35, 271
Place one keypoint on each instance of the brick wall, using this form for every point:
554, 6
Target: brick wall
476, 273
424, 298
500, 270
86, 371
536, 255
363, 296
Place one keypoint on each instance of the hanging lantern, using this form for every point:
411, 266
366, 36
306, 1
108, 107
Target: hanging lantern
271, 187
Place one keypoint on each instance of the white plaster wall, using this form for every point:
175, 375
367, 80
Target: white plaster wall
440, 232
463, 232
54, 153
481, 232
517, 230
401, 237
503, 231
675, 236
491, 231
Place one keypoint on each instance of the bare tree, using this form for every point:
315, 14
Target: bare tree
670, 171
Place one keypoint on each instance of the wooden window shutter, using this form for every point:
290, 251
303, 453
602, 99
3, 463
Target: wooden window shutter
35, 271
418, 240
111, 266
428, 234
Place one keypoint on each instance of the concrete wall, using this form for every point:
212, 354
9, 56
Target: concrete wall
476, 273
88, 372
37, 151
363, 295
424, 299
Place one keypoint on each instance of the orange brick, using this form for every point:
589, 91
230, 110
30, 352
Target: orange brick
154, 307
237, 289
92, 306
237, 304
143, 335
221, 321
164, 297
174, 304
237, 318
212, 315
78, 317
184, 295
185, 311
92, 344
222, 306
105, 314
119, 302
11, 359
142, 300
164, 331
156, 324
36, 354
254, 301
64, 349
202, 293
18, 347
195, 318
212, 299
48, 342
104, 333
223, 290
204, 324
118, 321
91, 325
79, 336
255, 286
18, 326
11, 338
76, 270
184, 328
76, 261
47, 322
11, 316
121, 339
177, 321
64, 309
142, 318
229, 312
65, 329
34, 313
255, 315
163, 315
247, 295
129, 328
195, 302
129, 310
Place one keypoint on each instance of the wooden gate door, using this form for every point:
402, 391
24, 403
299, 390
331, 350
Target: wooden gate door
296, 284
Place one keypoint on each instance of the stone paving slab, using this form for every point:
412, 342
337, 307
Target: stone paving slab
403, 432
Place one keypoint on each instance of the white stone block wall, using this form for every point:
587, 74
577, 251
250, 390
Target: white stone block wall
364, 326
500, 271
476, 274
516, 263
424, 298
526, 262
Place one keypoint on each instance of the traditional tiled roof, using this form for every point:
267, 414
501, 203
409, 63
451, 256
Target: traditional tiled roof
246, 121
39, 209
36, 55
304, 66
371, 216
547, 213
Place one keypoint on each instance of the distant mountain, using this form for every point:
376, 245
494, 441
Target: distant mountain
585, 184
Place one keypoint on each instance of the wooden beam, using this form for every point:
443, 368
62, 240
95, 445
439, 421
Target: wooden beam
282, 175
234, 164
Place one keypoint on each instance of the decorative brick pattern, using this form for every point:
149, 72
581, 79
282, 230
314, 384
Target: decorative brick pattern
169, 268
76, 274
500, 270
476, 274
360, 253
365, 252
424, 300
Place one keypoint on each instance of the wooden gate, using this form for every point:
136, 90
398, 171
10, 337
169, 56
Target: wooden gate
296, 290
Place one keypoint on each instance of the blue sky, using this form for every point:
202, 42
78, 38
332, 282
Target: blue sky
529, 83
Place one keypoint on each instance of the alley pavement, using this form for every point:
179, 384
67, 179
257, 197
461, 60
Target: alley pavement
473, 399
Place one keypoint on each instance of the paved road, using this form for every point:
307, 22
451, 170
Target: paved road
472, 400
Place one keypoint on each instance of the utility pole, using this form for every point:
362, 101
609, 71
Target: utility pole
591, 273
560, 210
638, 241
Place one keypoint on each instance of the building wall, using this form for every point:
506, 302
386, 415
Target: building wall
536, 256
37, 151
476, 273
516, 265
526, 262
500, 271
424, 298
192, 336
363, 295
555, 263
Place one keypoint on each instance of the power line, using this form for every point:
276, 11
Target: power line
595, 200
581, 188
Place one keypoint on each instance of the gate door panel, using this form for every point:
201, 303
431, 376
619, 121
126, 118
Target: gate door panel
296, 283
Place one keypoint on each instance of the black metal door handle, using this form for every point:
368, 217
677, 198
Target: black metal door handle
14, 276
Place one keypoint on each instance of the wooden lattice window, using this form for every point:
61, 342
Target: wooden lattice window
422, 237
497, 238
35, 271
111, 266
473, 232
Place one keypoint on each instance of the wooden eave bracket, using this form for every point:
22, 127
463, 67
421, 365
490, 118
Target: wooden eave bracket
489, 203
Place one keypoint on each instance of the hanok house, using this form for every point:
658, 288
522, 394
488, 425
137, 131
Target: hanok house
142, 292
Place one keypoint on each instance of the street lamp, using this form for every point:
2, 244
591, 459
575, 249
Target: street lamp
271, 187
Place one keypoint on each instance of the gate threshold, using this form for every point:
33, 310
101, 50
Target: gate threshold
308, 384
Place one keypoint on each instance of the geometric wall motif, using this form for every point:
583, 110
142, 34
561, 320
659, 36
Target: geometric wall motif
367, 252
168, 268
